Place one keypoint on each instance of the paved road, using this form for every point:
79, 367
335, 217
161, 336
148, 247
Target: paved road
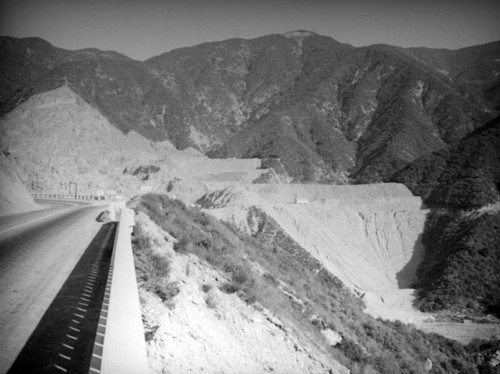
36, 257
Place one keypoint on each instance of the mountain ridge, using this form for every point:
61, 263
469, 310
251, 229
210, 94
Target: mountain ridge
351, 114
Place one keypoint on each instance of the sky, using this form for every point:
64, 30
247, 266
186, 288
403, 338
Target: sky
144, 28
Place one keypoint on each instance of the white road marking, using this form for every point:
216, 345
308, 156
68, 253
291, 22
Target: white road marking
60, 368
64, 356
67, 346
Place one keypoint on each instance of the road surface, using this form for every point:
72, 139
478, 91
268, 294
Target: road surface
38, 251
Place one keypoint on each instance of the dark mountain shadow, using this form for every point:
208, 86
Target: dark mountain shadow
407, 276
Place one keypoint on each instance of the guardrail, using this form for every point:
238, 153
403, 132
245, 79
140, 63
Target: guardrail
124, 347
67, 196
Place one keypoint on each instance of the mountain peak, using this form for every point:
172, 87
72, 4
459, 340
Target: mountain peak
299, 34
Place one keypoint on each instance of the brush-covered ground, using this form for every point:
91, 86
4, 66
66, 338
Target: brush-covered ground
270, 272
461, 186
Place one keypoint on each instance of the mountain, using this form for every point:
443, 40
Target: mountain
325, 110
25, 61
464, 176
476, 67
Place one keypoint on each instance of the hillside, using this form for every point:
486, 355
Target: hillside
464, 176
474, 67
57, 137
462, 185
349, 114
267, 286
460, 268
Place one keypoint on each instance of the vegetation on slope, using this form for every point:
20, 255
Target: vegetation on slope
152, 268
462, 177
271, 269
326, 109
460, 269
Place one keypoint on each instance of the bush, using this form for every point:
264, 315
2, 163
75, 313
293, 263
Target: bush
156, 266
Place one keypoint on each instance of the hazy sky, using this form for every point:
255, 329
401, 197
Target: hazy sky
144, 28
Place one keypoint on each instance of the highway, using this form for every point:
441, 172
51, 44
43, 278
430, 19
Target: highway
38, 251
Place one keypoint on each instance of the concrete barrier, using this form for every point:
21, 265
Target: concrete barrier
124, 348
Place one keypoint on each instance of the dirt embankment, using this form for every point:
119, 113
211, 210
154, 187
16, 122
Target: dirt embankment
368, 236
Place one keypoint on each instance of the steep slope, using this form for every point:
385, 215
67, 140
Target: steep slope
462, 183
369, 236
477, 68
25, 62
464, 176
201, 328
460, 268
57, 138
330, 112
224, 287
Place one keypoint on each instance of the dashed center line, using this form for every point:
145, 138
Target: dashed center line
70, 336
60, 368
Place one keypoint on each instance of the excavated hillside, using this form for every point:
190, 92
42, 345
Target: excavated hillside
369, 236
57, 137
14, 197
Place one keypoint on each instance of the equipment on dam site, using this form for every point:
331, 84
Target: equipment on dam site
301, 201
